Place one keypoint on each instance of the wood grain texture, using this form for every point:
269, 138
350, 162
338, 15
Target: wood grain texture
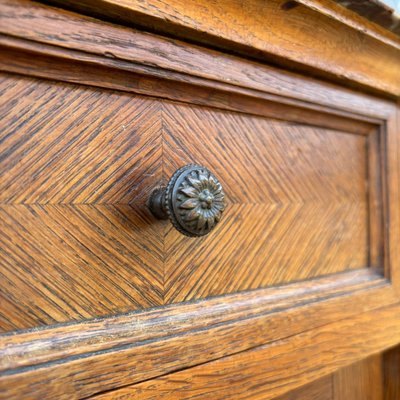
77, 183
391, 373
360, 381
76, 168
66, 361
93, 70
376, 182
88, 40
391, 188
290, 39
267, 342
285, 184
275, 369
321, 389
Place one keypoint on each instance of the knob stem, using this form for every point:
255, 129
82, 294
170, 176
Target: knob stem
157, 203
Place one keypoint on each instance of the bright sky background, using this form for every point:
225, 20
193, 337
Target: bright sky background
395, 4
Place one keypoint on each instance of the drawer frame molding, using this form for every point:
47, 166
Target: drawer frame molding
66, 360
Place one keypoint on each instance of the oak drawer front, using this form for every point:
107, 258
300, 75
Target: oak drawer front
99, 297
78, 166
297, 202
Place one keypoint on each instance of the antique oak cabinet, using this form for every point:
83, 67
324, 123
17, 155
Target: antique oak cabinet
282, 120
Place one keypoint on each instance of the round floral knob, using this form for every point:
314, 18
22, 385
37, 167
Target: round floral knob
193, 201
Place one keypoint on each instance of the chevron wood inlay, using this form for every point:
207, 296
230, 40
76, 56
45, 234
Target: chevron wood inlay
299, 282
78, 164
265, 161
88, 146
76, 239
268, 244
77, 261
297, 203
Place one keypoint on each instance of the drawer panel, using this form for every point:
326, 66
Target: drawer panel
78, 165
76, 239
297, 202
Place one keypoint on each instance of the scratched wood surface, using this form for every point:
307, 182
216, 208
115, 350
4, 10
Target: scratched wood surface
276, 369
78, 165
362, 380
277, 30
66, 361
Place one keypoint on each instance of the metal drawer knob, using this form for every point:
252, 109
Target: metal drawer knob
193, 201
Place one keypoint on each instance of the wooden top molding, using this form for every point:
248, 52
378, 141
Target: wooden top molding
34, 28
319, 37
376, 11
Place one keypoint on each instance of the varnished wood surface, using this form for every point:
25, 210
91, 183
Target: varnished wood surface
392, 193
86, 39
391, 373
342, 114
290, 39
285, 185
321, 389
66, 361
77, 166
275, 369
304, 320
363, 380
82, 179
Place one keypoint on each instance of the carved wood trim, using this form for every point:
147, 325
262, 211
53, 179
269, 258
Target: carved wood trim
146, 344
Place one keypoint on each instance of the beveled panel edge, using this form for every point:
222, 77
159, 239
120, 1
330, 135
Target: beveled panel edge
376, 178
228, 27
174, 318
165, 58
390, 143
147, 344
75, 67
